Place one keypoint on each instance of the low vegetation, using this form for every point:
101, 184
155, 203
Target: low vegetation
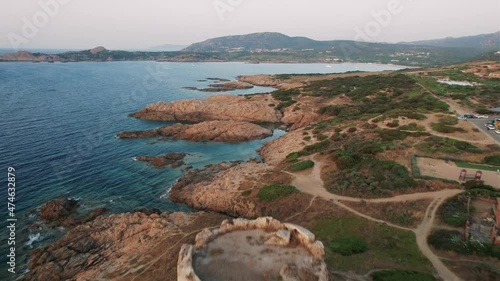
348, 245
436, 144
386, 247
307, 164
402, 275
492, 160
451, 240
275, 191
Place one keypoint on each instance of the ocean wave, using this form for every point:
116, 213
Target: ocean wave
33, 237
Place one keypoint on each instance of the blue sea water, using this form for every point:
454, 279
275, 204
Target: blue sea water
58, 125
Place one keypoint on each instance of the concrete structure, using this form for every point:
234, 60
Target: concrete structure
257, 250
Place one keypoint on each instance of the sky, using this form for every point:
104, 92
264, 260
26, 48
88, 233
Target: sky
134, 24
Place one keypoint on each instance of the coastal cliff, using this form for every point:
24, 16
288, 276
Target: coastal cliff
129, 246
217, 131
221, 107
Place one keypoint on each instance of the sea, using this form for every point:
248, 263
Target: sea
58, 125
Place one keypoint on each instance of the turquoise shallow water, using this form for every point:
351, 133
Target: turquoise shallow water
59, 121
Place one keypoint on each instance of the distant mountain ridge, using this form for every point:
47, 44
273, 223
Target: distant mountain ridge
255, 41
482, 41
275, 41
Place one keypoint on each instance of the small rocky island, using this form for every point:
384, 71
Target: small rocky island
173, 160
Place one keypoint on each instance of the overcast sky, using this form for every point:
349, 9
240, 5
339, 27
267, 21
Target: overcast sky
138, 24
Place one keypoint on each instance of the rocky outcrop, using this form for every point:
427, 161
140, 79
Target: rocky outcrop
273, 235
63, 212
218, 188
173, 160
268, 81
224, 87
97, 50
27, 56
221, 107
58, 209
275, 151
218, 131
130, 246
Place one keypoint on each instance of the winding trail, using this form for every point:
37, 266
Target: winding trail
311, 183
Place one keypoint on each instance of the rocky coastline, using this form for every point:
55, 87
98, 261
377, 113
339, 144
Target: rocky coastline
121, 246
215, 131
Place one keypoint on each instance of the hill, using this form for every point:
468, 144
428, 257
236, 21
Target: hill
483, 41
256, 41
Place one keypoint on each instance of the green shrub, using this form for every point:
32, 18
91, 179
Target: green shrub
321, 137
393, 124
454, 211
285, 95
450, 120
348, 246
445, 129
452, 240
275, 191
282, 105
246, 192
292, 157
302, 166
401, 275
412, 127
492, 160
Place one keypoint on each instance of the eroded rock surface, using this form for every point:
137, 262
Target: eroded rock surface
217, 188
63, 212
173, 160
220, 107
129, 246
223, 87
219, 131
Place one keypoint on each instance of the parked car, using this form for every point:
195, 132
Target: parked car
469, 116
482, 116
491, 122
497, 131
461, 118
491, 127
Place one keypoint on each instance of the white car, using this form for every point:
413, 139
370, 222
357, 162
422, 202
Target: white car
497, 131
482, 116
491, 127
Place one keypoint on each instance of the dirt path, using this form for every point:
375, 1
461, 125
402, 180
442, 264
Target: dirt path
311, 183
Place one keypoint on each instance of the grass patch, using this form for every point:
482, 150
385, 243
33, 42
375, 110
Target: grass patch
301, 166
445, 129
386, 247
412, 127
436, 144
275, 191
348, 245
449, 120
492, 160
467, 165
292, 157
402, 275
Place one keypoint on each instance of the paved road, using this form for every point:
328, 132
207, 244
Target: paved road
480, 125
